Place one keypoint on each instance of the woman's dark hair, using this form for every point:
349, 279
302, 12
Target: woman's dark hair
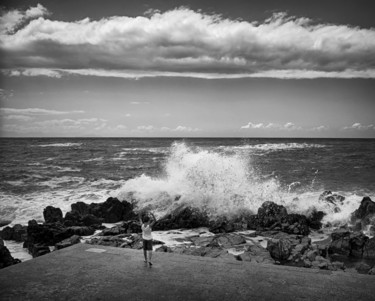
146, 219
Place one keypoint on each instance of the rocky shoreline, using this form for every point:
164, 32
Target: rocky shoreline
286, 235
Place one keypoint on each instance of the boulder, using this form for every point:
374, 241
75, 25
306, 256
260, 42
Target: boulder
369, 249
256, 253
296, 224
315, 219
364, 215
183, 217
52, 214
37, 250
362, 268
17, 233
348, 243
280, 249
110, 211
271, 214
6, 258
44, 235
334, 200
80, 231
75, 239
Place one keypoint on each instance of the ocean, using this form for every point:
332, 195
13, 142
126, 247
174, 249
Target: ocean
220, 175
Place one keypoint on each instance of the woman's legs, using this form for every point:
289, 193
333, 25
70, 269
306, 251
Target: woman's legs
145, 254
149, 255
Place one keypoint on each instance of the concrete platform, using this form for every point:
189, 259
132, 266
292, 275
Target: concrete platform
85, 272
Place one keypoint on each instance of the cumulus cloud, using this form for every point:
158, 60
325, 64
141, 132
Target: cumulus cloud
360, 127
183, 42
35, 111
276, 126
13, 19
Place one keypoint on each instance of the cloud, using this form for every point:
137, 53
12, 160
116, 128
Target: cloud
286, 126
35, 111
34, 72
13, 19
183, 42
180, 128
319, 128
18, 117
358, 126
147, 128
68, 126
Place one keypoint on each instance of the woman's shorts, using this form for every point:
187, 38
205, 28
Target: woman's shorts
147, 245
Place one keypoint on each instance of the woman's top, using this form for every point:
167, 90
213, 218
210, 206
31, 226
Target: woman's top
146, 232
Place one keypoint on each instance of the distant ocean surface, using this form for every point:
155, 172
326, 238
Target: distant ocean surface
220, 175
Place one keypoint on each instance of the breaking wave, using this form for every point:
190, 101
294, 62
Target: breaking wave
220, 184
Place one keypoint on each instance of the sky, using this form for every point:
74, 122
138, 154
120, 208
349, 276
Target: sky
204, 68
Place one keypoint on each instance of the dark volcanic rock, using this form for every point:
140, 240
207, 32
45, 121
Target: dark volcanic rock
17, 233
6, 258
52, 214
40, 236
365, 214
335, 200
348, 243
75, 239
315, 219
271, 214
111, 211
280, 249
256, 253
183, 217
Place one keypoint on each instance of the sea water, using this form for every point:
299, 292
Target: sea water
222, 176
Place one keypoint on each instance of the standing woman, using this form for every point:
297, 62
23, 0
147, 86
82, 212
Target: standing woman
147, 236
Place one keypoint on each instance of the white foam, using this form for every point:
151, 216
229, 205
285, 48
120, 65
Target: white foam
69, 144
272, 146
223, 184
17, 250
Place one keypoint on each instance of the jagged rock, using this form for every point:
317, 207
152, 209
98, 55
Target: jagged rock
334, 200
112, 241
52, 214
17, 233
348, 243
37, 250
183, 217
116, 230
75, 239
280, 249
270, 214
364, 215
6, 258
369, 249
238, 222
298, 224
110, 211
44, 235
362, 268
81, 231
372, 271
256, 253
132, 226
315, 219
